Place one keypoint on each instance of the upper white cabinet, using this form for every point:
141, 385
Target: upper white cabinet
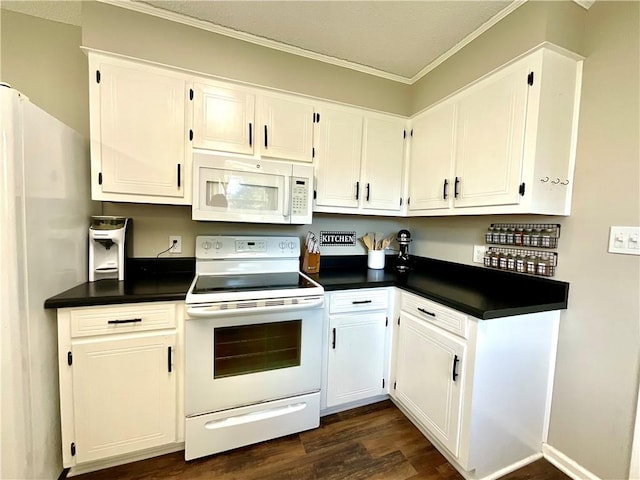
223, 118
139, 151
359, 161
235, 119
505, 144
286, 127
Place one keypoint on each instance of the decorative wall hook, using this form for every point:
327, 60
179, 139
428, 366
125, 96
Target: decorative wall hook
544, 180
566, 182
556, 182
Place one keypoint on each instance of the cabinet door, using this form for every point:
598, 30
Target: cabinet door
141, 139
427, 359
490, 140
382, 162
431, 161
286, 128
356, 357
338, 155
124, 395
223, 118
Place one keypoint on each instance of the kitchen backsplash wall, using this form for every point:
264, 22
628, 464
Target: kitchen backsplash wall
154, 223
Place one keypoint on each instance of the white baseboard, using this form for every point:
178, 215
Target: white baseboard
566, 464
513, 467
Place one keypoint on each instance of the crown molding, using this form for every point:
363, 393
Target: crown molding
265, 42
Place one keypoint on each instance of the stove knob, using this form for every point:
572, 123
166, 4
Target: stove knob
282, 245
218, 245
206, 245
291, 245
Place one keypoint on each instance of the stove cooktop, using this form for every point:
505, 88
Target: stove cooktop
208, 284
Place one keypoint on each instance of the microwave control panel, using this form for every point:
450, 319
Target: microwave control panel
299, 196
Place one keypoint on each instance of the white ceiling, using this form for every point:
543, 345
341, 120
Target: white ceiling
396, 39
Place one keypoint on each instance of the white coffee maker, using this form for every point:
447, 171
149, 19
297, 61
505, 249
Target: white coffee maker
109, 240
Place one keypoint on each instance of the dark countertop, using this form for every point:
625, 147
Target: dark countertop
480, 292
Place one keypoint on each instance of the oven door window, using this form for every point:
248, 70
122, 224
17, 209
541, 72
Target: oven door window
243, 192
243, 349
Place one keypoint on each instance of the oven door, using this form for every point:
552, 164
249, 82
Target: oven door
239, 190
247, 358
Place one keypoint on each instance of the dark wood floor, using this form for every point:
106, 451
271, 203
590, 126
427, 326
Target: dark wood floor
372, 442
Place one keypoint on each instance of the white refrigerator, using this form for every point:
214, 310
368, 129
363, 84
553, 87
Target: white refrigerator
45, 206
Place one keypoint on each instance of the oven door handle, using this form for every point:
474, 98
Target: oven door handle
208, 312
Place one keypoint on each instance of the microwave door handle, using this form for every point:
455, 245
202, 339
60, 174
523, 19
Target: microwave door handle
287, 197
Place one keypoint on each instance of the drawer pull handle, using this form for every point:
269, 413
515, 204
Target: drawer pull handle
427, 312
359, 302
333, 342
169, 359
130, 320
454, 374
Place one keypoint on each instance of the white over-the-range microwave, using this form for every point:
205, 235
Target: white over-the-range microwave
236, 189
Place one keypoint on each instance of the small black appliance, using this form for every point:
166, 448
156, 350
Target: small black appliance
404, 239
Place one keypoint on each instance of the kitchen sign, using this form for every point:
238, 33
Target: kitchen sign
337, 239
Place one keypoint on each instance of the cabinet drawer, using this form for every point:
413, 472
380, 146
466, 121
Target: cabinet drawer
122, 319
359, 300
434, 313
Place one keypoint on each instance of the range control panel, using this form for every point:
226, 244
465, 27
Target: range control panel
218, 247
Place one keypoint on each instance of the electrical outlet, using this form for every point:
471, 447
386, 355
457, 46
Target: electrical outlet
478, 253
175, 243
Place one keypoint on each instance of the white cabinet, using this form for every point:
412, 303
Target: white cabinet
431, 160
505, 144
139, 148
433, 391
480, 390
223, 118
357, 345
359, 161
286, 127
235, 119
120, 380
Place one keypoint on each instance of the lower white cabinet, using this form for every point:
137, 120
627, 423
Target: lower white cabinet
479, 390
357, 345
434, 391
119, 380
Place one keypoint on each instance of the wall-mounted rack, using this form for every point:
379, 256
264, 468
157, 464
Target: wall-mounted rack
538, 235
533, 262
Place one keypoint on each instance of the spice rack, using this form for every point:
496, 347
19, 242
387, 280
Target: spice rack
539, 235
523, 260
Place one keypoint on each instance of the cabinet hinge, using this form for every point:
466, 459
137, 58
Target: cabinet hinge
408, 201
191, 94
386, 322
400, 201
190, 135
313, 152
73, 449
404, 134
317, 118
69, 358
530, 78
398, 320
412, 132
521, 189
394, 385
99, 178
97, 76
315, 194
383, 383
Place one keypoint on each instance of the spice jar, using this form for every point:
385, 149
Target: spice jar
546, 239
517, 236
511, 262
495, 260
487, 258
535, 237
488, 236
520, 264
502, 261
511, 232
542, 267
526, 237
502, 236
531, 264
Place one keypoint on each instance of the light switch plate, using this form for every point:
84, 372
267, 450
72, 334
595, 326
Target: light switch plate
624, 240
478, 253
